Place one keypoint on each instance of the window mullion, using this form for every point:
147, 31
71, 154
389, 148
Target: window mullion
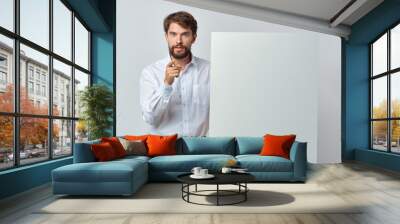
73, 81
371, 99
389, 105
50, 87
16, 84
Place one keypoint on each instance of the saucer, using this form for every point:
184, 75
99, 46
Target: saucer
208, 176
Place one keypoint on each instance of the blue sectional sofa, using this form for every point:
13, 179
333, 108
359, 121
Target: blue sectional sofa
125, 176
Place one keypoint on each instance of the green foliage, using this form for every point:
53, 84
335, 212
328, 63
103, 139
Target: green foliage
96, 102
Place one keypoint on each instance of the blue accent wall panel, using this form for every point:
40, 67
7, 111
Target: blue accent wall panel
102, 58
357, 99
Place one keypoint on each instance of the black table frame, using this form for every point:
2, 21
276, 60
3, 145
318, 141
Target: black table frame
242, 190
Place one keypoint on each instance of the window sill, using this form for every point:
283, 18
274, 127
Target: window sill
25, 167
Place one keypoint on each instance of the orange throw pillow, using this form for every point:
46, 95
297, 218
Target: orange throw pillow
277, 145
103, 151
161, 145
116, 145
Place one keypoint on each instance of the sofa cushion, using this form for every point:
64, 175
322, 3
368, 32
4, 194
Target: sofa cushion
159, 145
103, 151
185, 163
111, 171
257, 163
275, 145
207, 145
116, 145
249, 145
135, 147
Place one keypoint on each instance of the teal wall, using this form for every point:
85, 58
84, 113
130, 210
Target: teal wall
103, 51
103, 63
24, 178
356, 87
99, 15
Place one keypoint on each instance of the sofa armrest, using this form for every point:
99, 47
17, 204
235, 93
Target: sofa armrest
298, 155
83, 152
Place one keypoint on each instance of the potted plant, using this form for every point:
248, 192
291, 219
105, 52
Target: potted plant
96, 102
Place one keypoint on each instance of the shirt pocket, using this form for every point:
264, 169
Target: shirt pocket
201, 95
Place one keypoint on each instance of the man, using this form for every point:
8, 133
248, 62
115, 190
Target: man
175, 91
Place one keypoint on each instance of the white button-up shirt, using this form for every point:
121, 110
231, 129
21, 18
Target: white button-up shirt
184, 106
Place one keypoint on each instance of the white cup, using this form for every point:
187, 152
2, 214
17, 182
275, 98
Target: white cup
226, 170
196, 170
203, 172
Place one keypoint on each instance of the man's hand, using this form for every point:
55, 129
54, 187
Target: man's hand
171, 71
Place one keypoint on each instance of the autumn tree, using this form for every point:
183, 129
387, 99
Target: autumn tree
33, 131
380, 127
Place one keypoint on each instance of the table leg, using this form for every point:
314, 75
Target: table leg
196, 188
188, 190
217, 194
245, 193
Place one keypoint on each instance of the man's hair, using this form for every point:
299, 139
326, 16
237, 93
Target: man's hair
184, 19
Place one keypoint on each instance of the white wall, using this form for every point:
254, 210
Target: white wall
278, 84
140, 41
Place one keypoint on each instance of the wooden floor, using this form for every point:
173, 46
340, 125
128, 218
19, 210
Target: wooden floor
377, 188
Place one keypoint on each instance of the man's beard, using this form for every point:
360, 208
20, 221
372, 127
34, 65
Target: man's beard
183, 55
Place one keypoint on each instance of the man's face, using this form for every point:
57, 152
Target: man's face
179, 40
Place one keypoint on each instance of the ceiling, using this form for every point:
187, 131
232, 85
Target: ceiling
325, 16
318, 9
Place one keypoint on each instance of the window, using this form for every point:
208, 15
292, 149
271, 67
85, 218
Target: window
30, 87
7, 142
62, 75
43, 90
38, 89
81, 81
3, 72
3, 61
55, 127
37, 74
6, 72
62, 29
35, 21
3, 78
7, 14
62, 137
81, 45
43, 77
30, 72
385, 91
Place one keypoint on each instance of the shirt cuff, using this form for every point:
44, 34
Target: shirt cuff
166, 90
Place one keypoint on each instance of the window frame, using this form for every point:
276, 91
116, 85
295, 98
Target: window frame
388, 74
16, 115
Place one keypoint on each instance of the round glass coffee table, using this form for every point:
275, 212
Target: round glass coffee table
238, 179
